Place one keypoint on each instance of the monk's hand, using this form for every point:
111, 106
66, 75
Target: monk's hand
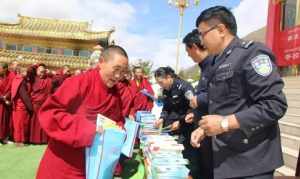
175, 126
131, 117
158, 123
189, 118
197, 136
211, 124
7, 103
193, 102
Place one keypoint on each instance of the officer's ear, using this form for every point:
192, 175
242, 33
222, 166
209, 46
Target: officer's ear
222, 29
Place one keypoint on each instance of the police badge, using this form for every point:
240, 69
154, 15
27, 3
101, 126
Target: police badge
262, 65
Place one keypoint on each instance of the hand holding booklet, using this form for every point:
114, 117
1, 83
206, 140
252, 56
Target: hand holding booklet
103, 155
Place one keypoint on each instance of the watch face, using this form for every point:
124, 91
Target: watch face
224, 123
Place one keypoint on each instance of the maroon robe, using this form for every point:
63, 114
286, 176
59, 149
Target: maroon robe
22, 108
40, 90
68, 117
140, 101
126, 97
5, 110
58, 79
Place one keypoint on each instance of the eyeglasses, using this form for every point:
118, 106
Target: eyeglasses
202, 34
208, 30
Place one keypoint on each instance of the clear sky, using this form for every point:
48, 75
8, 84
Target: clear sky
147, 29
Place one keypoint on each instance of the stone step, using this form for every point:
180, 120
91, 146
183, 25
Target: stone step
292, 91
294, 103
290, 157
292, 97
293, 110
291, 82
284, 171
289, 128
292, 118
290, 141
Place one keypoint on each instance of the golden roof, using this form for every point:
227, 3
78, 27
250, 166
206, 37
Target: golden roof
51, 60
53, 28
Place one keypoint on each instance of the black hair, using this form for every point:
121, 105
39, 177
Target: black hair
42, 64
163, 72
193, 38
113, 49
221, 14
137, 67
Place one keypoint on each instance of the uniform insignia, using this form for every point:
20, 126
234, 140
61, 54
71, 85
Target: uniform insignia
262, 65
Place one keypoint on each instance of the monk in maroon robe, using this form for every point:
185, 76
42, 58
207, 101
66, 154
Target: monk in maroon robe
69, 115
60, 77
40, 90
140, 101
22, 109
6, 78
126, 94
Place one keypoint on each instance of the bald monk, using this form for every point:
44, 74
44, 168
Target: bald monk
6, 78
140, 101
69, 115
40, 90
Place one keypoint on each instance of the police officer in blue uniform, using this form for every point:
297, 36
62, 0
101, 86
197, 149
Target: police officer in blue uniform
245, 101
199, 102
176, 106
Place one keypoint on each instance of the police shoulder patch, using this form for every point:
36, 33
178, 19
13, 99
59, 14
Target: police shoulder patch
262, 65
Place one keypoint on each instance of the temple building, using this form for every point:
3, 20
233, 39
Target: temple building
53, 42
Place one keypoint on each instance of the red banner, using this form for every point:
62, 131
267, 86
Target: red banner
288, 47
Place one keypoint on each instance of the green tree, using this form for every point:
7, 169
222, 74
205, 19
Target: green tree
146, 66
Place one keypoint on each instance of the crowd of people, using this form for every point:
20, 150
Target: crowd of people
228, 123
24, 90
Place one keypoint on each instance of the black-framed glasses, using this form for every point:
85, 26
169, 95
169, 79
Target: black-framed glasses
208, 30
202, 34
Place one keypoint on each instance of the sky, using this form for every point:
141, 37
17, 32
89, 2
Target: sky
147, 29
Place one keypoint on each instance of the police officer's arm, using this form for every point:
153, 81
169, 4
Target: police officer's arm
185, 88
165, 109
264, 89
202, 99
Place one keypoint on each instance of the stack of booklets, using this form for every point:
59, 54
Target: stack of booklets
163, 155
146, 123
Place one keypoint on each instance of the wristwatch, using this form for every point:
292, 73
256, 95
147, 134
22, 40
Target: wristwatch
225, 123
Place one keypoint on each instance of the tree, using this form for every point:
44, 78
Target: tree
146, 66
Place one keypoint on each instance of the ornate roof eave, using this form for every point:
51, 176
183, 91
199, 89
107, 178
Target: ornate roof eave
37, 28
51, 60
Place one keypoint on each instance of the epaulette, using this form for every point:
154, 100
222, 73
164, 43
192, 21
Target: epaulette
247, 44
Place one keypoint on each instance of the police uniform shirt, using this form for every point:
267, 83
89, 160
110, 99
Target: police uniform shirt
244, 81
175, 104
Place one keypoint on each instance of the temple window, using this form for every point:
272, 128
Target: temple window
41, 50
84, 53
68, 52
11, 47
27, 48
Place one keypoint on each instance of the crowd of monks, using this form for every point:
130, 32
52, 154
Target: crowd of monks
24, 90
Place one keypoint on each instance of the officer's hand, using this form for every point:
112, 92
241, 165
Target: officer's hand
175, 126
189, 118
197, 136
211, 124
158, 123
193, 102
